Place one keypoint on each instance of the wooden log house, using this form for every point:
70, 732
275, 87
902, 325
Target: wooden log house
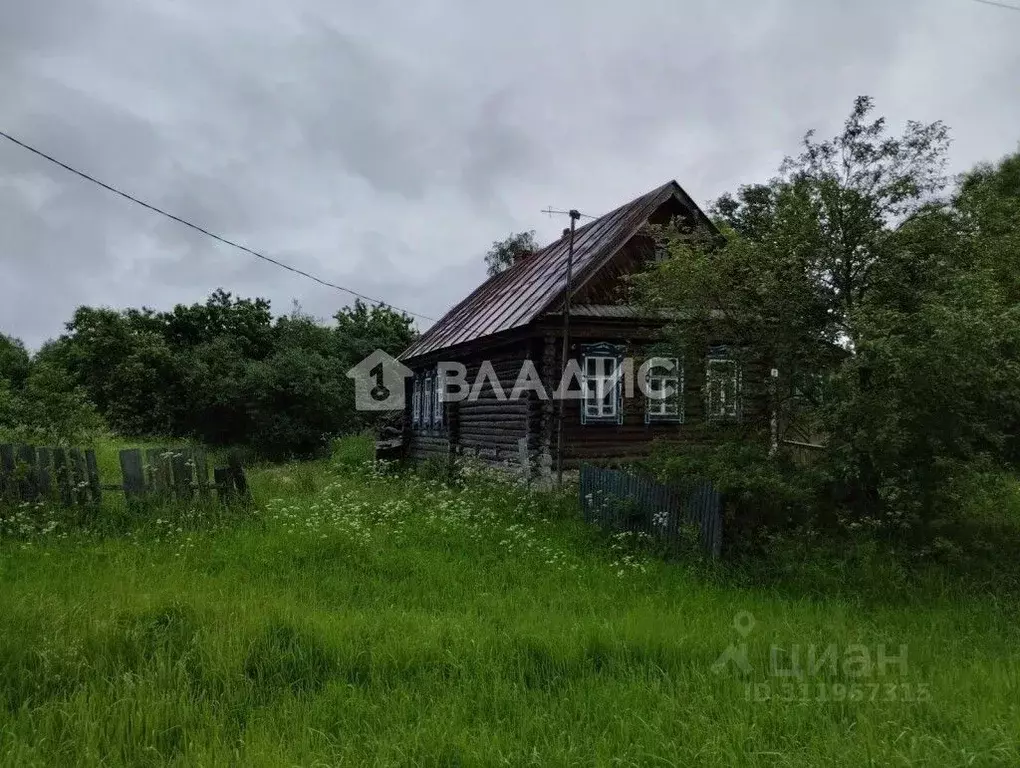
515, 319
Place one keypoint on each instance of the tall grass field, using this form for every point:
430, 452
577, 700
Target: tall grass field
359, 617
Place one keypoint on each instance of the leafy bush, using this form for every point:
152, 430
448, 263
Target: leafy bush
48, 409
758, 490
224, 372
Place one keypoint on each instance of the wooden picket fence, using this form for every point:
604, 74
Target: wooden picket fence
623, 501
71, 476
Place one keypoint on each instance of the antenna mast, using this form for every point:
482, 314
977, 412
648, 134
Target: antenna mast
574, 216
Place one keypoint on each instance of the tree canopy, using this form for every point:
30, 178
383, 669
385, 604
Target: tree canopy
224, 371
885, 294
503, 253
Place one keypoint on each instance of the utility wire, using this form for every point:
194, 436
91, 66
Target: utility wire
213, 235
999, 5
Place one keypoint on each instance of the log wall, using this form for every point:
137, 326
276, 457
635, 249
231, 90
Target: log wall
488, 425
634, 438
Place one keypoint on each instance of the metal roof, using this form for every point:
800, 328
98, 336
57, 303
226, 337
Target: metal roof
525, 290
608, 311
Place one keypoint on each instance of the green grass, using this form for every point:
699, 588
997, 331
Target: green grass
369, 619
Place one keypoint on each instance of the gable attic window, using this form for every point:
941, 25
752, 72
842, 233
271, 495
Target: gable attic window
664, 385
602, 385
722, 387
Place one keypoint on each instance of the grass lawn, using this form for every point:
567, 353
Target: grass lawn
364, 619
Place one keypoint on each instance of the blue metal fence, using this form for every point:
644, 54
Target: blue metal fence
675, 514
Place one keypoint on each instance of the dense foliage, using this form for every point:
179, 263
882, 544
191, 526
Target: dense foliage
887, 305
503, 253
225, 372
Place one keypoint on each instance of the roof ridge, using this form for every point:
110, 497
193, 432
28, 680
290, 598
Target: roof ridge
518, 294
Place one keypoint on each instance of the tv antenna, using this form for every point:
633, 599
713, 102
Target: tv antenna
572, 213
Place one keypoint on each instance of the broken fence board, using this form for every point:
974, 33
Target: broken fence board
182, 470
78, 479
62, 476
7, 471
160, 471
92, 473
45, 474
201, 472
133, 470
224, 480
25, 460
237, 475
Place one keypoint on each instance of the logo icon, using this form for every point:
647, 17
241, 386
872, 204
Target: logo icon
736, 653
379, 383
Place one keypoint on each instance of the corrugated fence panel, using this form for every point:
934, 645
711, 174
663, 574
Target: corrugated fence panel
676, 513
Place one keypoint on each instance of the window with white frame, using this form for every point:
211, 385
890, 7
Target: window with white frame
416, 387
428, 399
602, 385
664, 390
439, 389
723, 385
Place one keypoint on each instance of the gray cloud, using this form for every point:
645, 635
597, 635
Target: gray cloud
385, 146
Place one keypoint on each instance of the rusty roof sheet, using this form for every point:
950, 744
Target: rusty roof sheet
525, 290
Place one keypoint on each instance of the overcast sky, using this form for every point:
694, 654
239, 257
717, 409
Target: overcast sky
384, 146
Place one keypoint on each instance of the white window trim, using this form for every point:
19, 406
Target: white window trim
595, 410
713, 372
670, 410
416, 388
428, 396
437, 406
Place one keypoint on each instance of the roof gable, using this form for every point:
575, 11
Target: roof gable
527, 289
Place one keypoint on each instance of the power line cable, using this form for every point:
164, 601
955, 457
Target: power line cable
206, 232
999, 5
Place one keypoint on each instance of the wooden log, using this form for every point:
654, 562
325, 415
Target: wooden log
492, 405
62, 476
92, 472
132, 469
27, 471
79, 481
507, 445
477, 428
472, 417
495, 432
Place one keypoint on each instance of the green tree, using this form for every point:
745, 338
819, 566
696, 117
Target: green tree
14, 361
854, 276
504, 252
361, 330
53, 410
225, 371
838, 204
